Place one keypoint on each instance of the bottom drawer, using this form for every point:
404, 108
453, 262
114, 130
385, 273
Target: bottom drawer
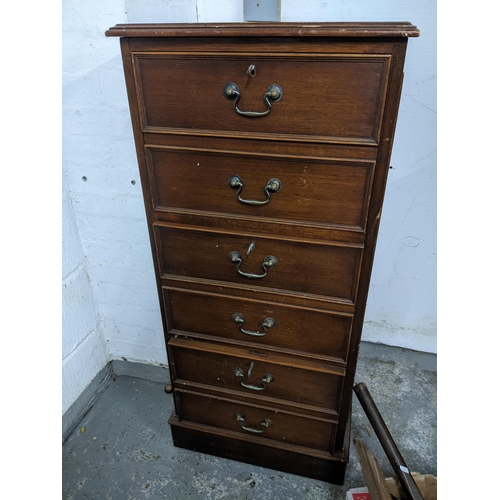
261, 421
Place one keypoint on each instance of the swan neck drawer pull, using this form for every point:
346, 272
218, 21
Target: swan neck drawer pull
266, 379
266, 422
274, 93
269, 262
267, 323
272, 186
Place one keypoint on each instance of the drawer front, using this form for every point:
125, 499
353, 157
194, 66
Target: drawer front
308, 268
325, 192
325, 97
262, 323
229, 368
255, 420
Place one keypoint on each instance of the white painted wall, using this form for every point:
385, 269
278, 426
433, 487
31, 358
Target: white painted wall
83, 342
401, 306
98, 144
184, 11
83, 347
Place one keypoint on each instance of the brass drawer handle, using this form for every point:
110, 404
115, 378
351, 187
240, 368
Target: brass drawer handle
273, 185
266, 379
267, 323
266, 422
269, 262
274, 93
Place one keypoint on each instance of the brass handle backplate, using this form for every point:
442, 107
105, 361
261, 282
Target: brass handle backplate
274, 93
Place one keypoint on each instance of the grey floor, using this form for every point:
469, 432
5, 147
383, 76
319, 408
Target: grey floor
126, 451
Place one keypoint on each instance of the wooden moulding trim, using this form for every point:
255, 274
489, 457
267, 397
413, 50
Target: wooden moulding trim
244, 145
192, 281
263, 225
249, 299
351, 161
247, 292
314, 56
202, 390
264, 45
273, 358
261, 220
362, 29
182, 227
238, 343
334, 457
351, 141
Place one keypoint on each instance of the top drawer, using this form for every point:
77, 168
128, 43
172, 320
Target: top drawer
326, 98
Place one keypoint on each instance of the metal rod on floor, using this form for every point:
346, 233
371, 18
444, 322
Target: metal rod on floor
388, 444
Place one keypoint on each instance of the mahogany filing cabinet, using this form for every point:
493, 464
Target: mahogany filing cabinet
263, 152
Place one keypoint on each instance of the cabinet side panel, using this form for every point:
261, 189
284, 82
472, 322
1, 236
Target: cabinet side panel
133, 99
374, 214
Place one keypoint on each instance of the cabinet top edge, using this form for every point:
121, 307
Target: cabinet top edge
267, 29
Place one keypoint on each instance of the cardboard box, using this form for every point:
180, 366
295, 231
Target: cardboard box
427, 484
358, 494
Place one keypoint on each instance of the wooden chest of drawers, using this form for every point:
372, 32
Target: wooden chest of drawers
263, 152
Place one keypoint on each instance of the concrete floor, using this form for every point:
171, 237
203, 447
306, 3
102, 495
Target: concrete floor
126, 451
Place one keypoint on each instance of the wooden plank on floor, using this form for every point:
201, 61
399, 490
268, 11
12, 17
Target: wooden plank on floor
375, 481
